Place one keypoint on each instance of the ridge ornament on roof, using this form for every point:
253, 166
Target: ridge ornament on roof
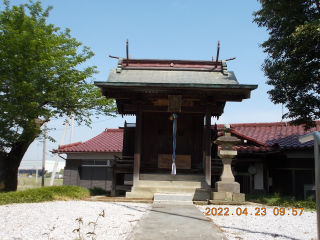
170, 65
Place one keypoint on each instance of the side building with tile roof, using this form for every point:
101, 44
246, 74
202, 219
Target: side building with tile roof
89, 164
283, 164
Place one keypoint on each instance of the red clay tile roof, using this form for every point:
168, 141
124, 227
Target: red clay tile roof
69, 145
248, 138
246, 149
108, 141
272, 136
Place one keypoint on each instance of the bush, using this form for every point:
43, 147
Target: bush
276, 200
44, 194
97, 191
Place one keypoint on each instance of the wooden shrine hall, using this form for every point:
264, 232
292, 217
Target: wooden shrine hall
154, 89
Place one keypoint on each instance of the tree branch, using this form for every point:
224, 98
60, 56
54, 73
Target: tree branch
43, 104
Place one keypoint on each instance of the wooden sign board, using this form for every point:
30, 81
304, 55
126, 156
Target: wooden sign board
174, 103
182, 161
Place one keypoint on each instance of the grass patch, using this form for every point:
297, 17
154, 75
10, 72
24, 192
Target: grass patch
276, 200
44, 194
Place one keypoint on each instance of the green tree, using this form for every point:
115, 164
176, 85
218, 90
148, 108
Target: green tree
293, 62
39, 80
48, 174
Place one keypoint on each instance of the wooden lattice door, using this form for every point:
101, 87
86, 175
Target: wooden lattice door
157, 132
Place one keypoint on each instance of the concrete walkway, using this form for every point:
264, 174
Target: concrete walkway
175, 221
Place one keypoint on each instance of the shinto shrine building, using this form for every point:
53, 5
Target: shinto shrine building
152, 90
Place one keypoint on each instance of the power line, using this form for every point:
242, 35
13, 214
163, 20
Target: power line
91, 123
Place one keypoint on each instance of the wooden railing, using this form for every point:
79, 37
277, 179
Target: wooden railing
121, 166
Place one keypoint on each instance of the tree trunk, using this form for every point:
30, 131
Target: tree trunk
9, 163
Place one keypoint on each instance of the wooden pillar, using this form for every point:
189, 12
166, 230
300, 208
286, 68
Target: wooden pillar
137, 146
208, 147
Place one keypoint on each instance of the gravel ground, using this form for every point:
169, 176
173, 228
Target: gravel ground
57, 220
269, 226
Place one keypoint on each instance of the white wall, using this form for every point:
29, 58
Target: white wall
94, 155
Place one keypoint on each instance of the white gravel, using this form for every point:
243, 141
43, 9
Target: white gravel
57, 220
269, 226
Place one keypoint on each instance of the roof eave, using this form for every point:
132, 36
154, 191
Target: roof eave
103, 84
88, 152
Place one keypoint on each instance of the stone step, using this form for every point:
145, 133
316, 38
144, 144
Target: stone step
198, 194
139, 194
163, 189
173, 198
169, 177
171, 184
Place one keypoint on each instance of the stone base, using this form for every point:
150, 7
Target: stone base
217, 196
238, 197
232, 187
228, 196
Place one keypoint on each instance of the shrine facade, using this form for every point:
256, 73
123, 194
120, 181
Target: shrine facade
154, 89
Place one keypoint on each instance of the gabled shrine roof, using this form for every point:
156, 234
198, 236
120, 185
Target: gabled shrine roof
159, 73
185, 77
172, 71
149, 81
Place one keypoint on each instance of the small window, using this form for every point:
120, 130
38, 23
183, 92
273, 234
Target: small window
88, 162
103, 162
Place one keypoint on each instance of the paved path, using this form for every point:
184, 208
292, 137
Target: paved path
173, 221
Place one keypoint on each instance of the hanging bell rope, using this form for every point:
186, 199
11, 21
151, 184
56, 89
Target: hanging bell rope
174, 118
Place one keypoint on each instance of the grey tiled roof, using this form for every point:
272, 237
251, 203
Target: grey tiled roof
185, 77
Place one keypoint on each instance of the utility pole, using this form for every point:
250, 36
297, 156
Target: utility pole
72, 128
37, 163
44, 153
57, 158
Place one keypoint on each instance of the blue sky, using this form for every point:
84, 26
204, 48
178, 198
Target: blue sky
166, 30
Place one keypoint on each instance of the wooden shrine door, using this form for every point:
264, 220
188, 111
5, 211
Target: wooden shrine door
157, 137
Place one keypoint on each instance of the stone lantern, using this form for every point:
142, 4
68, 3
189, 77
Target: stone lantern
227, 188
